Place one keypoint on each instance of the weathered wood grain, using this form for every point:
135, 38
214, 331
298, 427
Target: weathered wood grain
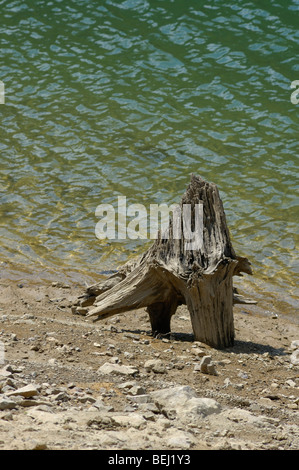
169, 274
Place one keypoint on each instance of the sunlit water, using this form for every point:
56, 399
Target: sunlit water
129, 98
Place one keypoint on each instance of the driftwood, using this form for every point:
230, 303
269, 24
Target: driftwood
170, 274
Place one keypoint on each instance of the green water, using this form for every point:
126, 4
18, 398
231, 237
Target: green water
109, 98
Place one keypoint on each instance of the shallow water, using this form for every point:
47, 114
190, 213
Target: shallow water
129, 98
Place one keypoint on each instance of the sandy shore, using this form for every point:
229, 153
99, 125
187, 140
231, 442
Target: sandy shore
110, 385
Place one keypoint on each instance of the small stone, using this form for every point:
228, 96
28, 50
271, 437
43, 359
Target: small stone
133, 420
227, 382
132, 336
30, 402
117, 369
6, 389
100, 405
204, 362
112, 328
290, 383
139, 399
239, 386
86, 399
10, 383
6, 403
226, 361
265, 401
243, 375
183, 403
292, 406
39, 446
136, 390
211, 369
60, 285
154, 365
294, 358
127, 385
52, 362
62, 396
274, 385
81, 311
115, 360
6, 371
197, 352
295, 344
180, 440
206, 366
28, 391
149, 416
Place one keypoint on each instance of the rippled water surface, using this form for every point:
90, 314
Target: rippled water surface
110, 98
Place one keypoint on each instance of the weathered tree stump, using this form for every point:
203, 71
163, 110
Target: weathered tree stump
172, 272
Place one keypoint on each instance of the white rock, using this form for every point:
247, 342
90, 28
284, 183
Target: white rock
206, 366
100, 405
290, 383
174, 395
183, 403
295, 344
294, 358
28, 391
139, 399
6, 371
136, 390
197, 352
227, 382
117, 369
154, 365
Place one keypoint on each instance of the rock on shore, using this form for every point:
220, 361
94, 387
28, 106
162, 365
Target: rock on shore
66, 383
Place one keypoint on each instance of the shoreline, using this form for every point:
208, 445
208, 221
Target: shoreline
271, 300
69, 383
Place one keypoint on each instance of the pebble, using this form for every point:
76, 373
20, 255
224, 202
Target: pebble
136, 390
155, 365
132, 336
139, 399
62, 397
295, 344
206, 366
5, 372
28, 391
243, 375
290, 383
197, 352
7, 403
227, 382
294, 358
118, 369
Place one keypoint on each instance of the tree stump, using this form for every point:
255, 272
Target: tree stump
173, 272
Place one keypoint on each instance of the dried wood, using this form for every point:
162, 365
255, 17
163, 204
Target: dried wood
170, 274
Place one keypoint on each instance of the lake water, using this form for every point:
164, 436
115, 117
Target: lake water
128, 98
